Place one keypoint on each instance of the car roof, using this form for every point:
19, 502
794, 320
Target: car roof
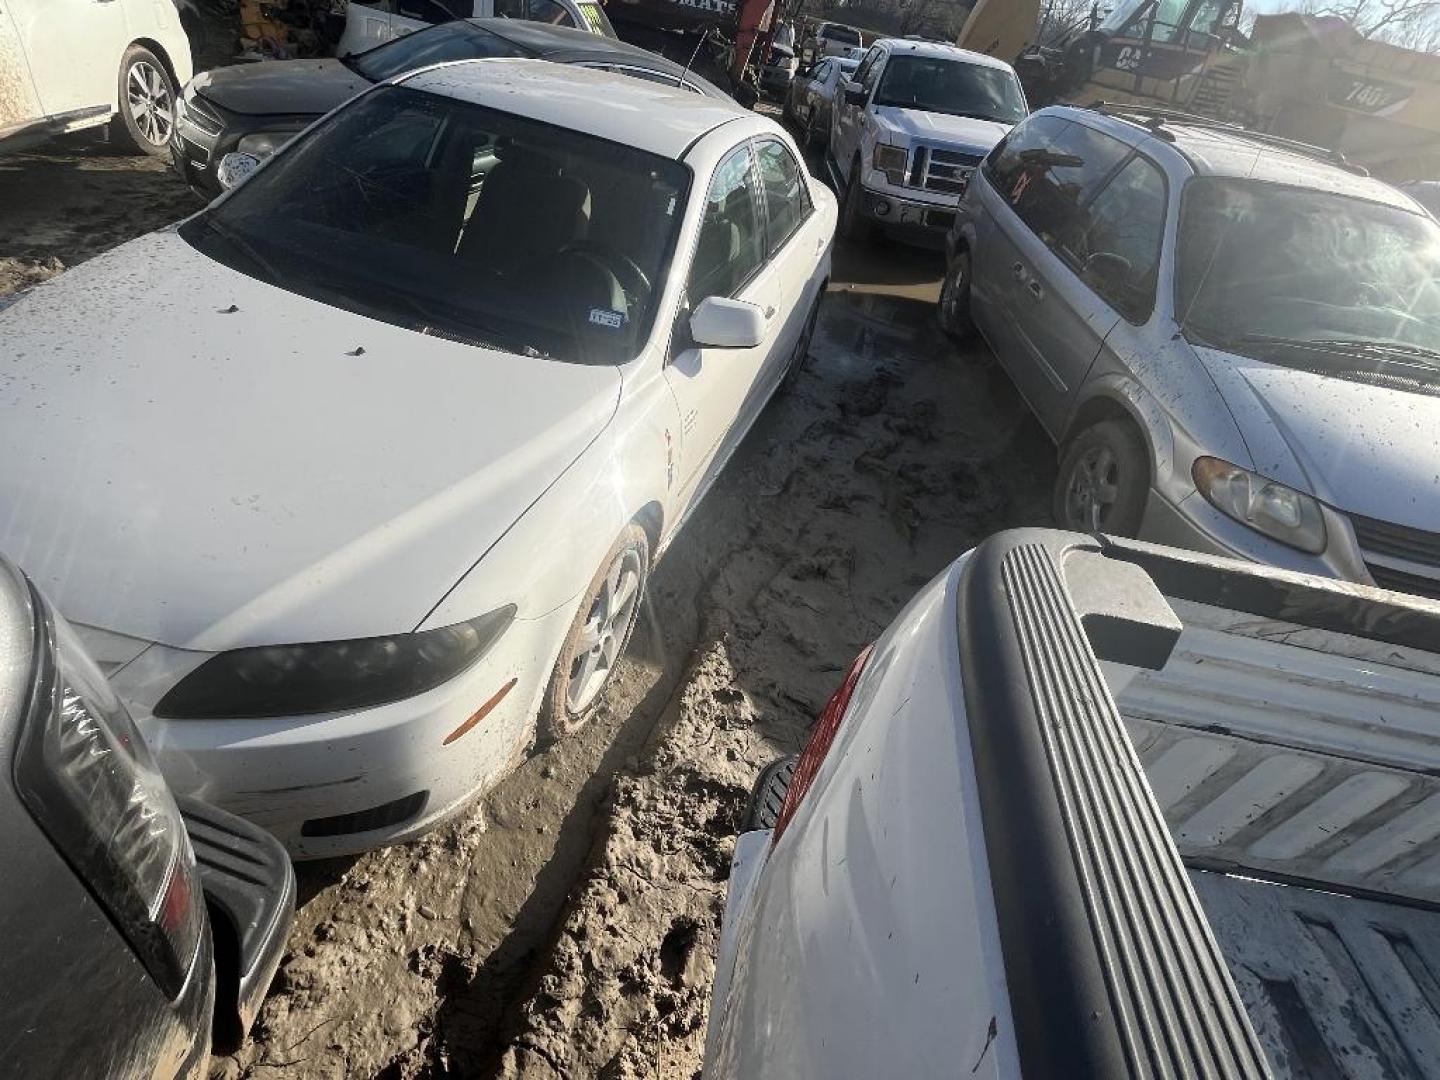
1226, 151
661, 119
566, 45
941, 50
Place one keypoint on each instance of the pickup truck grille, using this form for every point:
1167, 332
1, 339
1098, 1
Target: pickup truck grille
1387, 539
947, 171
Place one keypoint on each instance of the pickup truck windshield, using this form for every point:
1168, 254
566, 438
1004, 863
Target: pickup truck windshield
457, 40
1309, 279
932, 84
463, 222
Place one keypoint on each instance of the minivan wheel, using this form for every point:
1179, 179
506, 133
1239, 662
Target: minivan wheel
955, 298
854, 225
146, 118
1104, 480
597, 638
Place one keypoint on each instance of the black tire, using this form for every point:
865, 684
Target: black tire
1104, 480
561, 715
954, 306
768, 795
854, 225
801, 352
146, 117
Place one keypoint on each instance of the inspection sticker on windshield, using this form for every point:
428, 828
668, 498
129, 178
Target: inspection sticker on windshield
605, 317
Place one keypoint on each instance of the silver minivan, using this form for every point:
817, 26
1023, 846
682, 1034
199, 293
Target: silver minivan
1234, 340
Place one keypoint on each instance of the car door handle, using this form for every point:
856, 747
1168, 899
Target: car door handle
1018, 272
1036, 290
769, 312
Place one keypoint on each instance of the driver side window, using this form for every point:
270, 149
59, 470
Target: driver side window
866, 66
731, 245
547, 11
872, 73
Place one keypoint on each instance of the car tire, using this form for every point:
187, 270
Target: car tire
597, 638
768, 796
1104, 480
801, 352
854, 225
954, 306
145, 120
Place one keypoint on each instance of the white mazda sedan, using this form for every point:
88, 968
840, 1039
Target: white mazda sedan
355, 479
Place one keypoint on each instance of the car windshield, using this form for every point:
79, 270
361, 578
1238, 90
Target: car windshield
458, 40
933, 84
1295, 276
463, 222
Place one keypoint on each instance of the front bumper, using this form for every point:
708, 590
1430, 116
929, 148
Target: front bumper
249, 883
928, 220
338, 783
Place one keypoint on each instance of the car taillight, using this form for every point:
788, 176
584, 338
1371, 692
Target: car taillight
819, 745
86, 776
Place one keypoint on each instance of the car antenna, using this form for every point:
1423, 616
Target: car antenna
689, 63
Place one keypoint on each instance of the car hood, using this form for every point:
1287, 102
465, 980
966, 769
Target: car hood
195, 457
1365, 449
281, 87
962, 131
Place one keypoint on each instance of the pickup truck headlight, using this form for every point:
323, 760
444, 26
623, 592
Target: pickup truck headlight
328, 676
86, 777
891, 161
1271, 508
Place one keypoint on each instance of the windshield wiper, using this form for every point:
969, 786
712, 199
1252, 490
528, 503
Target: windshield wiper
1412, 358
235, 240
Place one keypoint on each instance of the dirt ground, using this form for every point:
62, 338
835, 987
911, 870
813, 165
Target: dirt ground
566, 926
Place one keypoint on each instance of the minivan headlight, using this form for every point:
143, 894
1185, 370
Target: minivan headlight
1268, 507
87, 778
328, 676
891, 161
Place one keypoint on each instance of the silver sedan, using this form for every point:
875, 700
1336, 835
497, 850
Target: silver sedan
807, 105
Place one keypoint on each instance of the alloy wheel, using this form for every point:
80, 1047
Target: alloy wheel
612, 613
147, 93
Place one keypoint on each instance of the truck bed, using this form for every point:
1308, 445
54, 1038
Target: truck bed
1286, 832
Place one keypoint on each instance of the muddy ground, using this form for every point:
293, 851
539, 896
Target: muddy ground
566, 926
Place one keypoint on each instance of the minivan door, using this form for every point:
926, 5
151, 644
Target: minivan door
1052, 322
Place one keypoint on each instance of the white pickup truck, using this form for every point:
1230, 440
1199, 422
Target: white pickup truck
1098, 808
908, 129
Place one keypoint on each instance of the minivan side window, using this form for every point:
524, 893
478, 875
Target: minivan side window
1057, 180
1115, 247
731, 246
1005, 165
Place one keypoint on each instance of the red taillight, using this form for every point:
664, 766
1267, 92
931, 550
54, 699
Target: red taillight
819, 744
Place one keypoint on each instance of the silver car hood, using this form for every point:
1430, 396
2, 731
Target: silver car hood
1364, 449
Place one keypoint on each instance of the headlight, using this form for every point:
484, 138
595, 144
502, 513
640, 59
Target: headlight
1281, 513
328, 676
891, 161
87, 778
264, 143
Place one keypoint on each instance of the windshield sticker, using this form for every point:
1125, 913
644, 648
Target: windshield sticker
606, 317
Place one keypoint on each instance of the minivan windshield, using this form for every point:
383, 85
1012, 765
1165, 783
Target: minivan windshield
457, 40
1307, 278
463, 222
934, 84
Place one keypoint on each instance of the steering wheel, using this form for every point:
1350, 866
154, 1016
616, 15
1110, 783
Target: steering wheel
626, 270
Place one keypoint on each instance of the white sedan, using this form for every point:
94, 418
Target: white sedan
355, 476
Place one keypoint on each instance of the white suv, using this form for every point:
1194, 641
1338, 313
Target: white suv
909, 128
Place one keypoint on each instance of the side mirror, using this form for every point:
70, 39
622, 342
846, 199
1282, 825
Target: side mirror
854, 93
727, 324
235, 168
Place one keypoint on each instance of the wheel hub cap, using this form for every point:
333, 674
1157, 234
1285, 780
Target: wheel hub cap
1093, 489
